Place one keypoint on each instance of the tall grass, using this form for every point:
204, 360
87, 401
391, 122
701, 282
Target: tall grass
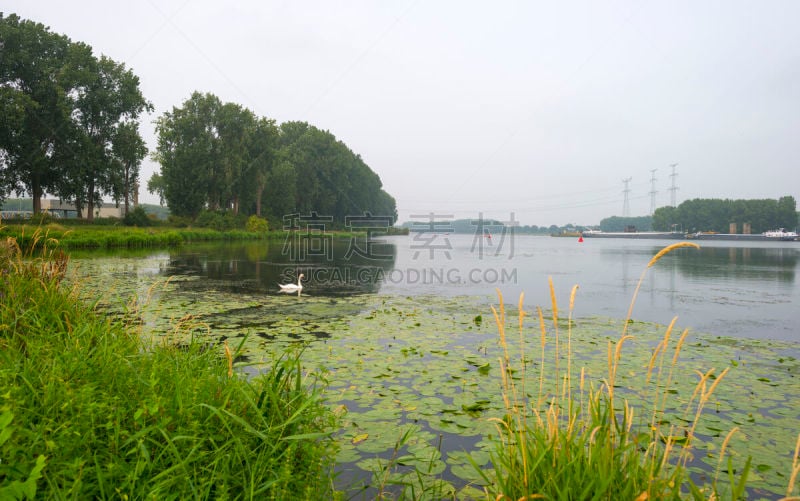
578, 439
105, 237
88, 411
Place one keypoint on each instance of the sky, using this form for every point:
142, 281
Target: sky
535, 111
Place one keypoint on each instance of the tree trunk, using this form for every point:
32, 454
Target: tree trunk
236, 205
126, 191
90, 202
259, 191
36, 193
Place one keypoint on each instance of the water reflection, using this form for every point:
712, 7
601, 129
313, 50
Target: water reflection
330, 266
739, 263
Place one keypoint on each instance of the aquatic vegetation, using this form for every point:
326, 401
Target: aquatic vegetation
90, 411
556, 444
429, 366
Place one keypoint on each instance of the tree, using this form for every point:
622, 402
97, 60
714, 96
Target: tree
156, 186
220, 155
107, 98
64, 107
36, 90
664, 218
262, 150
128, 150
187, 152
787, 213
717, 215
280, 192
235, 126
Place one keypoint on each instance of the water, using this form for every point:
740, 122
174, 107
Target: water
740, 289
394, 324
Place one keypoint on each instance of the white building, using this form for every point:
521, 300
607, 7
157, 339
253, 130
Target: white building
58, 208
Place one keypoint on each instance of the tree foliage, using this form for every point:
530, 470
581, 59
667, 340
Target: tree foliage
216, 155
717, 215
64, 112
617, 223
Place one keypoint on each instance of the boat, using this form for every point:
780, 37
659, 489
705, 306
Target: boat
659, 235
779, 235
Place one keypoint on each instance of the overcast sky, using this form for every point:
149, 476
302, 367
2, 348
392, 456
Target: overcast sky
535, 108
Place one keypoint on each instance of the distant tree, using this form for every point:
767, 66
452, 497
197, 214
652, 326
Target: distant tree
718, 214
616, 223
155, 185
280, 192
220, 156
235, 126
262, 153
664, 218
128, 150
787, 213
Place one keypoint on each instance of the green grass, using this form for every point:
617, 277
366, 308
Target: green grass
89, 411
114, 237
106, 237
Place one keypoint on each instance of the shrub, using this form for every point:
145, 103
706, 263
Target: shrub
220, 220
137, 217
257, 224
178, 221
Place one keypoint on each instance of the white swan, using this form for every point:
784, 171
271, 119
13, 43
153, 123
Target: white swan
293, 287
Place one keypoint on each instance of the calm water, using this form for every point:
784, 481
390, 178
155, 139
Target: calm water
422, 349
744, 289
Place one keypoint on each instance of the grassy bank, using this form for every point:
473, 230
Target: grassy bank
88, 411
105, 237
114, 237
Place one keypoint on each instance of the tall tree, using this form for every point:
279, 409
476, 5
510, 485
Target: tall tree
156, 186
36, 87
65, 106
262, 152
188, 153
128, 150
235, 126
107, 98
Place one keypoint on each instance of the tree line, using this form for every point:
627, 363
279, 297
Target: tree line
717, 214
69, 127
68, 118
618, 223
221, 156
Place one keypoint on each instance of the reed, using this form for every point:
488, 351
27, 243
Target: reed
579, 441
90, 411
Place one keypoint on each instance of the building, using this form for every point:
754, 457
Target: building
57, 208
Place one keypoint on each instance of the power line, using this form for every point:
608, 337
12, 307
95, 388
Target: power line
673, 188
653, 191
626, 206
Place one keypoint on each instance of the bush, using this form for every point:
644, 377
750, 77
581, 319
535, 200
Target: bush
178, 221
137, 217
220, 220
257, 224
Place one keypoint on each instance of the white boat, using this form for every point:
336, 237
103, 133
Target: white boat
781, 234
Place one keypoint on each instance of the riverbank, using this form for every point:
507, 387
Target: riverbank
89, 410
111, 237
